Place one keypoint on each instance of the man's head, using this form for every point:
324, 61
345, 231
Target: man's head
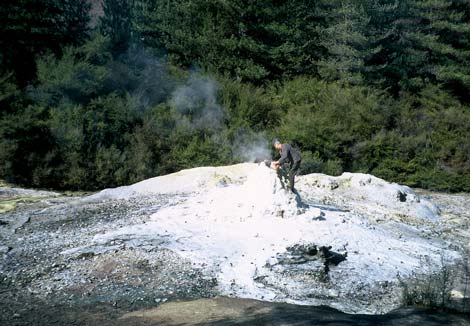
277, 144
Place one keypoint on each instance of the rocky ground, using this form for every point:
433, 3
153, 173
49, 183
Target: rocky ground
34, 271
91, 260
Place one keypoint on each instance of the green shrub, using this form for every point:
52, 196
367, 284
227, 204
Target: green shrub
431, 288
311, 163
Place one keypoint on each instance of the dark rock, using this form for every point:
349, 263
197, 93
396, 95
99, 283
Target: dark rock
401, 196
305, 253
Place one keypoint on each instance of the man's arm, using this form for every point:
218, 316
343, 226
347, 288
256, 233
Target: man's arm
284, 153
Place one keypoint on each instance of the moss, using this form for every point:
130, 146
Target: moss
11, 203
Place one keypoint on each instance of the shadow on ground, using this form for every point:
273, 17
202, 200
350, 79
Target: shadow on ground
211, 312
237, 312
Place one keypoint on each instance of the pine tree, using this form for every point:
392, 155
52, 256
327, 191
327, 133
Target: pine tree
249, 40
75, 20
418, 42
117, 23
30, 28
342, 36
453, 30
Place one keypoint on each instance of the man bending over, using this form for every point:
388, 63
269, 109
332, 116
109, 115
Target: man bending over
289, 155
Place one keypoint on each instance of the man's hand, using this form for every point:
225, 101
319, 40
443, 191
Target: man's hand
275, 165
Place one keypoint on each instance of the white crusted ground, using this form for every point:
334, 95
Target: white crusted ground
237, 223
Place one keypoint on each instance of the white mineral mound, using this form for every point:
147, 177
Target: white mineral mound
370, 196
244, 229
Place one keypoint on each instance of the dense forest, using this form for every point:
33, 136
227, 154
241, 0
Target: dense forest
154, 86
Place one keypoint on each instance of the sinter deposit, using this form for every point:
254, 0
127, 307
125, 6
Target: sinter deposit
344, 242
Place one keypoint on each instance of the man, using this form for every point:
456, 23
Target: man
291, 155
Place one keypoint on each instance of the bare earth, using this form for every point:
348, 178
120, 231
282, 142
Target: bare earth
219, 311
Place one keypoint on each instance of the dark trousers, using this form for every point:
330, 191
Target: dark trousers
293, 171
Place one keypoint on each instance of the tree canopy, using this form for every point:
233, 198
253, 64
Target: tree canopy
367, 86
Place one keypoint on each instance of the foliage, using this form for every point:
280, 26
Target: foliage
116, 23
251, 41
377, 87
351, 128
431, 289
419, 42
329, 119
30, 28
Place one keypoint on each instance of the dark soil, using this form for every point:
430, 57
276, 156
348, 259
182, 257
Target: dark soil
18, 310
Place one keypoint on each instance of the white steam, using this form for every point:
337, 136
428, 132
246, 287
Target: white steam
196, 108
196, 102
252, 148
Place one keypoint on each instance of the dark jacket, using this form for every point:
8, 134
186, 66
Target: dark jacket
289, 153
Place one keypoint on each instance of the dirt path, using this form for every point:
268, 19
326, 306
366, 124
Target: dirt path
211, 312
